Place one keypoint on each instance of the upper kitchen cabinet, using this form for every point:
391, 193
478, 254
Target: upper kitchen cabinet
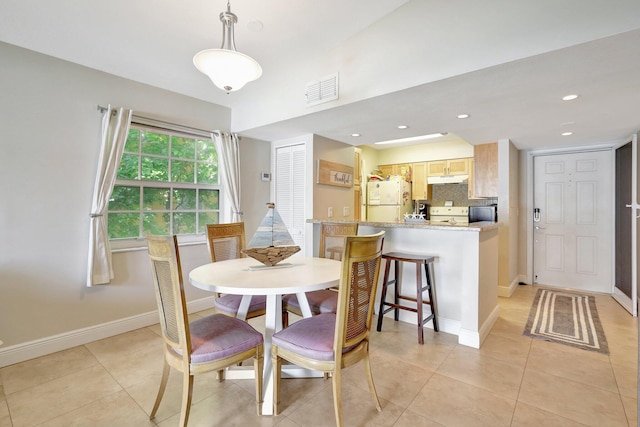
448, 167
485, 170
420, 190
402, 169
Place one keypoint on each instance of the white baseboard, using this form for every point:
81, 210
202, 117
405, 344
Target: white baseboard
475, 339
36, 348
507, 291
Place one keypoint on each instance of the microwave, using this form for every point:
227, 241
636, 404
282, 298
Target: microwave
483, 213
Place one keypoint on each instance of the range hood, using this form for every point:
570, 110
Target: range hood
448, 179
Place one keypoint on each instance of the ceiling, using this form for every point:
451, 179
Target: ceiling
419, 63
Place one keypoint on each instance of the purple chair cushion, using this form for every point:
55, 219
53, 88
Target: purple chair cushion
311, 337
230, 303
218, 336
322, 301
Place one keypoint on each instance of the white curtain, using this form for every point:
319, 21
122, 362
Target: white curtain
229, 154
115, 128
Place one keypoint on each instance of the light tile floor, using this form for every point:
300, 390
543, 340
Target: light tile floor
512, 381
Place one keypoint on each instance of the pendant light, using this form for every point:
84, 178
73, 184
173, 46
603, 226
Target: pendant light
227, 68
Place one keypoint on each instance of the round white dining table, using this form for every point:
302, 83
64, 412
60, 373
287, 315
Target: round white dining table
247, 277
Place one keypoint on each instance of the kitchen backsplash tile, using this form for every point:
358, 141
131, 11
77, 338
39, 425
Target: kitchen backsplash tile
458, 193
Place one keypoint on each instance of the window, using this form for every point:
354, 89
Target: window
167, 183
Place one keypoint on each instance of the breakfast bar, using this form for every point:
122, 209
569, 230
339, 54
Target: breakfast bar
465, 269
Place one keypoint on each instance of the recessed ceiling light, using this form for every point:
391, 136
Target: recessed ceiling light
355, 134
567, 133
463, 116
402, 126
570, 97
413, 138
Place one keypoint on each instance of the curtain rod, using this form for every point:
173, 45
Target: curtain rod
102, 110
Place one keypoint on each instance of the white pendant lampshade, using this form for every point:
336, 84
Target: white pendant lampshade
227, 68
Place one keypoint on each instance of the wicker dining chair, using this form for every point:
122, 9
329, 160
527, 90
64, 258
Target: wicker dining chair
210, 343
332, 238
330, 342
226, 241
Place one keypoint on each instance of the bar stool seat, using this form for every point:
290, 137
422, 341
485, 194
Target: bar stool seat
419, 260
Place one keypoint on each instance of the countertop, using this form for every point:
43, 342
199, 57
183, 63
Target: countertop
475, 226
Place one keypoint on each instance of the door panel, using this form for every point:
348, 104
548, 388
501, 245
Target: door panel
572, 238
625, 284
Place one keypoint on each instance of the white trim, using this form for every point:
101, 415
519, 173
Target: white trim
43, 346
623, 300
507, 291
475, 339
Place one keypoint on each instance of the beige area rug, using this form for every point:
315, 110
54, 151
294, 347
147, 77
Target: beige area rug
566, 318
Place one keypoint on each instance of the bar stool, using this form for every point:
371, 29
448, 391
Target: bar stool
418, 260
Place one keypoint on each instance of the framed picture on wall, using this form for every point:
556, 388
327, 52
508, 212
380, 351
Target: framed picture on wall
334, 174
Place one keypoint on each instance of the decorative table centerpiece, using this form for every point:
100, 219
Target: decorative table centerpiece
271, 242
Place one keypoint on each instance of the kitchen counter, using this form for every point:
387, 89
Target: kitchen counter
474, 226
466, 271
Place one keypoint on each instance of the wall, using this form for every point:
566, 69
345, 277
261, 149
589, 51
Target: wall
508, 199
325, 196
48, 155
425, 152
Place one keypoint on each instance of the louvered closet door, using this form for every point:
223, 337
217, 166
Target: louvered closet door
289, 187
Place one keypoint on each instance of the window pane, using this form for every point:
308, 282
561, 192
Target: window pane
123, 225
206, 218
128, 166
155, 169
207, 174
183, 148
133, 141
182, 171
207, 151
124, 199
155, 199
209, 200
184, 199
184, 223
155, 223
155, 143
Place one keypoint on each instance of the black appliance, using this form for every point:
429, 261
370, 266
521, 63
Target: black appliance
483, 213
424, 209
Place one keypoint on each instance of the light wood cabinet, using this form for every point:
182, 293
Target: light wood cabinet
402, 169
485, 171
420, 190
448, 167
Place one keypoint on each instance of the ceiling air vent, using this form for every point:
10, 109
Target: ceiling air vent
323, 90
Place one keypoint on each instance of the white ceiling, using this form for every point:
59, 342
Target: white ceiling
418, 62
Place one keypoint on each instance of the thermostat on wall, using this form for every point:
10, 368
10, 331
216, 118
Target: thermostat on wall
266, 176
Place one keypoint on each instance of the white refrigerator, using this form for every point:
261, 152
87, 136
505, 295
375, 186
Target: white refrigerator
388, 201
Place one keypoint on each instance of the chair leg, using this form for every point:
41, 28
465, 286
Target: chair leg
384, 295
372, 387
285, 318
276, 365
163, 385
187, 392
258, 367
337, 396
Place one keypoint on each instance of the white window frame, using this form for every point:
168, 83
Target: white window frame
139, 243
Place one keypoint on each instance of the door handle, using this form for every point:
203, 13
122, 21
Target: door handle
539, 228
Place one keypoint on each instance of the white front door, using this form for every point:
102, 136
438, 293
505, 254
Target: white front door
573, 213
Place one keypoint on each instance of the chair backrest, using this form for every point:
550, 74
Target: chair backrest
332, 239
358, 284
169, 290
225, 241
